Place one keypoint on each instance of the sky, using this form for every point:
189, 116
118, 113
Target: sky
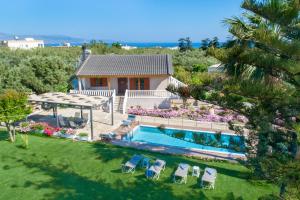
120, 20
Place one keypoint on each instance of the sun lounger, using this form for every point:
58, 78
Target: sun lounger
130, 119
129, 166
209, 177
181, 173
154, 170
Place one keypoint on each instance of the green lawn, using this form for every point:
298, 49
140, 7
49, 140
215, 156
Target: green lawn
61, 169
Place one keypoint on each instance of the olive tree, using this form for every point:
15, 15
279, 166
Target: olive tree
13, 107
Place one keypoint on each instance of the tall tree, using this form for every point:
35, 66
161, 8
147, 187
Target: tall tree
265, 52
205, 43
116, 45
214, 42
185, 44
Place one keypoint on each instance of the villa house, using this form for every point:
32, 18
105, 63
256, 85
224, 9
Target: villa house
129, 76
125, 72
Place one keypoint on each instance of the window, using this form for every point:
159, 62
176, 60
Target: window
98, 82
136, 84
139, 84
142, 84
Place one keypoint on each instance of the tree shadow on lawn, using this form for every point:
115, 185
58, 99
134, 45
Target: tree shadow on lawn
229, 196
67, 184
3, 135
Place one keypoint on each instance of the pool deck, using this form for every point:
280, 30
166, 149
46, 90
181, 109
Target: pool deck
204, 154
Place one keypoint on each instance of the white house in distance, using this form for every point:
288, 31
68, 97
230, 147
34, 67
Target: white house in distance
136, 80
27, 43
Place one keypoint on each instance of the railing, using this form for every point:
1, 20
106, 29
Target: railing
104, 93
176, 82
97, 88
125, 101
184, 123
150, 94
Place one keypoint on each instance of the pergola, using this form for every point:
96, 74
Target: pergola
81, 101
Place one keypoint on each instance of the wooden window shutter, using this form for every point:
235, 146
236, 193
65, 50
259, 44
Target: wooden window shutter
146, 84
132, 83
104, 82
93, 82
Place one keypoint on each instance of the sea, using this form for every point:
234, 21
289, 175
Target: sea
135, 44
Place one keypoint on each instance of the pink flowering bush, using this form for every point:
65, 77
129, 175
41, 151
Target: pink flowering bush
49, 130
220, 115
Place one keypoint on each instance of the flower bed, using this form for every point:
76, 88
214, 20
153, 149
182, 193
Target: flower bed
199, 114
47, 130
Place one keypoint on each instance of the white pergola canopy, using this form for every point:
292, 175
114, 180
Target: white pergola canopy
76, 100
69, 99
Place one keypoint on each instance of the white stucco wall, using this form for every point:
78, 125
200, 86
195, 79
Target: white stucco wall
149, 103
159, 83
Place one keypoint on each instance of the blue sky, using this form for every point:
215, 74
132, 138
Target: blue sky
119, 20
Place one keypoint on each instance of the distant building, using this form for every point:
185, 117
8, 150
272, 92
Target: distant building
173, 48
67, 44
27, 43
215, 68
126, 47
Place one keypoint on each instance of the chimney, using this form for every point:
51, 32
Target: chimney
84, 55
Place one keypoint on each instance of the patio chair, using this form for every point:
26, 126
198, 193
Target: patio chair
155, 169
73, 124
61, 121
181, 173
86, 118
106, 107
209, 177
77, 115
129, 166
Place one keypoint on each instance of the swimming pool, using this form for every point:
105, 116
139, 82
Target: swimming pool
188, 139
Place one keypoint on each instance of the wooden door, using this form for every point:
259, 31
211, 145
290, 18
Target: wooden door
122, 85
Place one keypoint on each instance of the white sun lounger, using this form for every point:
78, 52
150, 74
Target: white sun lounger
181, 173
128, 122
129, 166
209, 177
155, 169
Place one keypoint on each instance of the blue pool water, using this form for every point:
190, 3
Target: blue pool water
188, 139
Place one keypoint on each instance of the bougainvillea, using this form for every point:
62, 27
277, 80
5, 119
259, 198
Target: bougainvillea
220, 115
49, 130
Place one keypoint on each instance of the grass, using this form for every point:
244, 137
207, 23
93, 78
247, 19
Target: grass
61, 169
